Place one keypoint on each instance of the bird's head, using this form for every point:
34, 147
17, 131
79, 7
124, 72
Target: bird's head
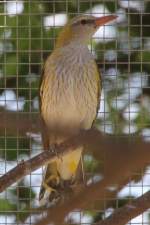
81, 28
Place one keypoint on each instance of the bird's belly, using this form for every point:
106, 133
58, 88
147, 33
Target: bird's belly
70, 109
71, 98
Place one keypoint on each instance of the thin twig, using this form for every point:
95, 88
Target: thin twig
124, 214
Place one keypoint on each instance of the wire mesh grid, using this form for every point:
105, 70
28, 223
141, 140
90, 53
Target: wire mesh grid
28, 30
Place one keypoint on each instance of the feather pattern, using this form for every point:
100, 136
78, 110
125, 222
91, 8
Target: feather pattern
72, 87
69, 99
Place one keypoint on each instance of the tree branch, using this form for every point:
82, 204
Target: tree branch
20, 121
124, 214
122, 158
26, 167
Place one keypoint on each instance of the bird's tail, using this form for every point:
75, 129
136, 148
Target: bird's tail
59, 176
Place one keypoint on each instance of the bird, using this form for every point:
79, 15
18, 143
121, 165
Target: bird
70, 91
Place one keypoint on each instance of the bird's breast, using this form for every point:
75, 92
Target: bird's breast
72, 80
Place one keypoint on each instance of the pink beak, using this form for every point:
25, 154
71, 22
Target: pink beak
100, 21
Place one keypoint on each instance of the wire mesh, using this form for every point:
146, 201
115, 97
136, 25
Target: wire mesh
28, 30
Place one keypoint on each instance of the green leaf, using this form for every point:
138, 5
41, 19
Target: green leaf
1, 16
111, 6
6, 206
10, 69
90, 164
145, 56
14, 147
25, 194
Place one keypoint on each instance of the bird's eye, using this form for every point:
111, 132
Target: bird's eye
83, 22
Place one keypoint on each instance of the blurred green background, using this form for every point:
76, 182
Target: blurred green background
28, 30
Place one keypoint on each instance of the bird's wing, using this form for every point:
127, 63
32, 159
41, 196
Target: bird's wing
99, 87
45, 138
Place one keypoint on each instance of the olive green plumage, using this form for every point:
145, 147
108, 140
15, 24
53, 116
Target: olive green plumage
69, 101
